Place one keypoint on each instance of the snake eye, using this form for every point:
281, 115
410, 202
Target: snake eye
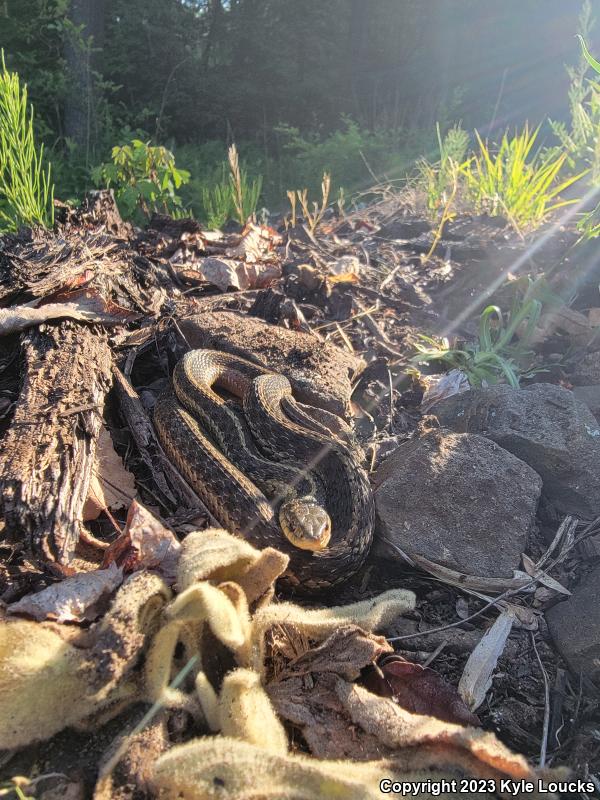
306, 525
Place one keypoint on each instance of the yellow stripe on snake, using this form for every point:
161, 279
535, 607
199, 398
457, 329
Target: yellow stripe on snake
320, 510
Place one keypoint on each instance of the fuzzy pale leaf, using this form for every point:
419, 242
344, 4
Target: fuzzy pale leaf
217, 555
245, 712
318, 623
41, 688
204, 602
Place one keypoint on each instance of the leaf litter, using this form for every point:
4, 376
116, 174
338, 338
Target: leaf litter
319, 685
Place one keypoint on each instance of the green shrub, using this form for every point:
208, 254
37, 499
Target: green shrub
581, 139
26, 193
145, 179
589, 225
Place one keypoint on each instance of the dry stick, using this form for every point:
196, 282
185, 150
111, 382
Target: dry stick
544, 744
391, 401
503, 596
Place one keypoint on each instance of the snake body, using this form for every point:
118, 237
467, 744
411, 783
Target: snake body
224, 458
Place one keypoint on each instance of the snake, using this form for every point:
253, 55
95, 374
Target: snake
281, 474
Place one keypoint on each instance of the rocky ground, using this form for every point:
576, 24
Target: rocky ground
487, 499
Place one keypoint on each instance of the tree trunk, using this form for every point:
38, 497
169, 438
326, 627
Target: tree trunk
83, 51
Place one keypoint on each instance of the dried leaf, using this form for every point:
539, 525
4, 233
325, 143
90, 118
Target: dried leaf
257, 243
594, 317
226, 273
477, 674
318, 623
543, 577
118, 639
214, 554
472, 582
346, 652
312, 705
88, 307
206, 603
74, 599
345, 266
111, 486
418, 689
443, 386
145, 544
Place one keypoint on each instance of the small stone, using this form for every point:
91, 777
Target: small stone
546, 427
457, 499
575, 627
320, 372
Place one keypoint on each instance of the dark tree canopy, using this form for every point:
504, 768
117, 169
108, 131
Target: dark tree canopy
184, 72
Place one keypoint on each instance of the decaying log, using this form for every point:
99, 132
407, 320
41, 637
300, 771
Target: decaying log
48, 452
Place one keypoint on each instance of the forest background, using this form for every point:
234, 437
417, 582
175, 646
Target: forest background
353, 87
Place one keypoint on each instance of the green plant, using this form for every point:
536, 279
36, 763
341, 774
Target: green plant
244, 194
234, 196
494, 357
144, 177
581, 139
439, 180
26, 192
217, 202
589, 225
515, 181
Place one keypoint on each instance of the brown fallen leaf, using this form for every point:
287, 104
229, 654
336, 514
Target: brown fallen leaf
345, 652
312, 705
257, 243
74, 599
145, 544
85, 305
225, 273
111, 486
418, 689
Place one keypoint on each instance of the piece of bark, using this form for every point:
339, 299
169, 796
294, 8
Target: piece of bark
49, 450
319, 372
175, 491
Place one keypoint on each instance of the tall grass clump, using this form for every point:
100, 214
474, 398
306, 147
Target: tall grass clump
515, 181
235, 196
26, 193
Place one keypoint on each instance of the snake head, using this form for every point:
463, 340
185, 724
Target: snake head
305, 524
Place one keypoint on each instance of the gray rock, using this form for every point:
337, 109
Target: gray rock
587, 369
575, 626
590, 395
457, 499
543, 425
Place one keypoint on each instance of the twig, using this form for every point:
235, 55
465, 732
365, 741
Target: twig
544, 744
435, 653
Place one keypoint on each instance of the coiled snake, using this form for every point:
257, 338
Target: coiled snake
322, 498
